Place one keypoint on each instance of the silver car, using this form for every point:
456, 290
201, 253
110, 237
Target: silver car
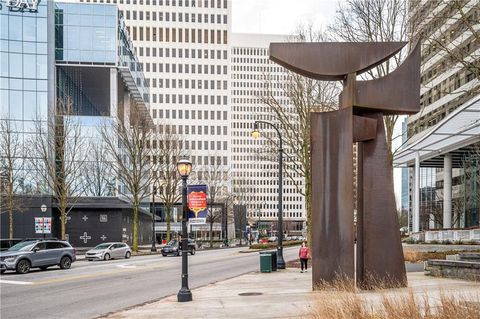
37, 254
108, 251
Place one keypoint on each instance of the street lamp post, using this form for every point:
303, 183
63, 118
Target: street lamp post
153, 249
256, 134
184, 168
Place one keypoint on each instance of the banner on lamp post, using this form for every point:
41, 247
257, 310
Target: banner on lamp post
197, 202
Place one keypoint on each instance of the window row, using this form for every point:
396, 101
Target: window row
190, 114
178, 35
184, 68
181, 84
194, 130
181, 53
173, 3
172, 16
208, 160
189, 99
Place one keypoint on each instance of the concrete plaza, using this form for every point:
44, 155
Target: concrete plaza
282, 294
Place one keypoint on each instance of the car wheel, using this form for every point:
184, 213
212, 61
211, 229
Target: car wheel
128, 255
65, 262
164, 255
2, 271
106, 257
44, 268
23, 266
193, 251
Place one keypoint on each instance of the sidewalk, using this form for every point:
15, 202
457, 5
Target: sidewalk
282, 294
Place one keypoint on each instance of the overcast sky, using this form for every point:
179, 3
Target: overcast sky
280, 16
283, 17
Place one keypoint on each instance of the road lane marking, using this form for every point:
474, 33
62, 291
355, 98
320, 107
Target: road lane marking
127, 266
12, 282
113, 272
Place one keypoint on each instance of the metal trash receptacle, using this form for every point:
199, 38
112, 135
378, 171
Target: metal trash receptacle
265, 262
274, 260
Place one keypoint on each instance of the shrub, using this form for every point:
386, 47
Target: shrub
274, 245
343, 304
410, 240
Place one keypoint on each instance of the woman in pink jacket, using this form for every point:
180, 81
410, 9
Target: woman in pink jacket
304, 254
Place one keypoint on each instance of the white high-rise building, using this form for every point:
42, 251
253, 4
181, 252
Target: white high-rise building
184, 50
255, 161
191, 60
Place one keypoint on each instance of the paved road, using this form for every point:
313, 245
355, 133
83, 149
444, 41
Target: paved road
90, 289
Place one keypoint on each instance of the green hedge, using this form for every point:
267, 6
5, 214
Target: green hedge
274, 245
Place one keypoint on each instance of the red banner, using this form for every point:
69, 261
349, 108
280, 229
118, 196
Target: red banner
197, 200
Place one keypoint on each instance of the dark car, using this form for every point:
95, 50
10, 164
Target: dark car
173, 248
37, 254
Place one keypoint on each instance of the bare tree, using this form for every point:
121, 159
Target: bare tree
452, 45
58, 156
11, 163
374, 20
457, 42
128, 145
217, 178
167, 149
99, 178
304, 95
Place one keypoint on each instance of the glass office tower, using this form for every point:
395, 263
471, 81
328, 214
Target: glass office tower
57, 52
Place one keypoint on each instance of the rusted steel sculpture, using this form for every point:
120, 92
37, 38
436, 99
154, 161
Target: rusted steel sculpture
359, 120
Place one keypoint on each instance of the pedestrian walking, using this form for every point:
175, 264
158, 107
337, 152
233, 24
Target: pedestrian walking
304, 254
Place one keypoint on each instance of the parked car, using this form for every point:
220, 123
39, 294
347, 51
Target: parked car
272, 238
172, 248
37, 254
108, 251
7, 243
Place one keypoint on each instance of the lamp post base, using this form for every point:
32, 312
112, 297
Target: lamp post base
184, 295
280, 260
153, 249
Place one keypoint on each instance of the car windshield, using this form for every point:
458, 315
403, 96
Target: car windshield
22, 246
172, 242
102, 246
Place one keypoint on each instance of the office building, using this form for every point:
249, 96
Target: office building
255, 161
444, 135
54, 53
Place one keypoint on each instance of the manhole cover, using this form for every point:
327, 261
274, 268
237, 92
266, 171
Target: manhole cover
250, 294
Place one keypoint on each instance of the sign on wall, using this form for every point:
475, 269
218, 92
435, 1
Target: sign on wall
197, 201
20, 5
43, 225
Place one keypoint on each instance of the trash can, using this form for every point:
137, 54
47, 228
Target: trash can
265, 262
268, 261
274, 260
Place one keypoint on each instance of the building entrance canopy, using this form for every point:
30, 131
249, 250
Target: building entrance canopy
455, 135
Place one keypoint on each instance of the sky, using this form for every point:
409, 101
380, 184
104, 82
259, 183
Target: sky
280, 16
283, 17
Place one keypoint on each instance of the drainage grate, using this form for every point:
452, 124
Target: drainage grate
250, 294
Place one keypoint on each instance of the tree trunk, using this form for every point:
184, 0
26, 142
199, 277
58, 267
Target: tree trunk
308, 204
10, 222
210, 235
135, 224
389, 126
168, 223
63, 212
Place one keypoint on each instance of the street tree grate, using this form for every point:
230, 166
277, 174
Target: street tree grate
250, 294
